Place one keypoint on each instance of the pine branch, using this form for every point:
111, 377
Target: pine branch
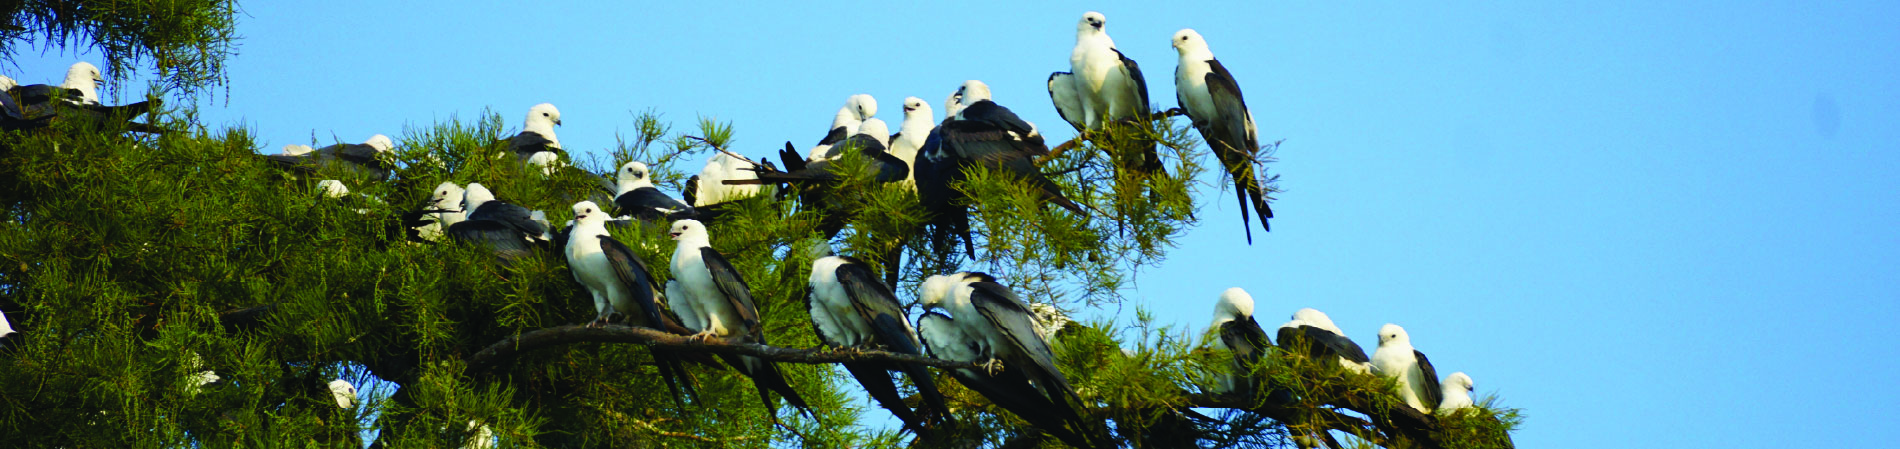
563, 335
1413, 426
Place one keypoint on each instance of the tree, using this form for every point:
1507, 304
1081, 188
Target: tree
134, 263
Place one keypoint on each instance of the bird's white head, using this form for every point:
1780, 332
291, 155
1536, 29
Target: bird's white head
1392, 334
475, 195
953, 104
586, 212
1092, 23
973, 91
1234, 304
7, 83
1313, 317
1460, 380
447, 196
1189, 43
936, 289
633, 175
343, 392
876, 129
916, 110
543, 116
85, 77
381, 143
297, 150
862, 105
332, 188
689, 231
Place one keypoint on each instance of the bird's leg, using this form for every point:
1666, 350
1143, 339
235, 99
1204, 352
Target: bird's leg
702, 336
993, 366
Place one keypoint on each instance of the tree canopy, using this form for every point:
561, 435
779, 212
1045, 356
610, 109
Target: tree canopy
176, 289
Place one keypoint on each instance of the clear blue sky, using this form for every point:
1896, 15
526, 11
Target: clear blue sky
1650, 224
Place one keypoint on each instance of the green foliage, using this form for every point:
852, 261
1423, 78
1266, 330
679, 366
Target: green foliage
184, 41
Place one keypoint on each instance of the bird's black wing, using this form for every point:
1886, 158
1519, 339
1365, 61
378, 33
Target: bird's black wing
1432, 394
983, 144
33, 94
1245, 338
509, 214
793, 161
838, 134
1231, 134
1003, 119
1141, 82
527, 143
877, 305
648, 203
633, 272
890, 168
1009, 315
1321, 343
507, 242
734, 288
691, 192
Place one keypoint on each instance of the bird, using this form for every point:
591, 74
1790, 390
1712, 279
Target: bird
713, 299
709, 187
619, 281
1312, 333
1008, 388
296, 150
851, 308
6, 327
536, 145
1109, 85
332, 188
509, 230
1396, 359
986, 134
480, 204
844, 124
1104, 86
365, 158
1213, 103
1455, 392
444, 209
1241, 335
912, 134
881, 166
85, 78
1005, 328
636, 197
343, 393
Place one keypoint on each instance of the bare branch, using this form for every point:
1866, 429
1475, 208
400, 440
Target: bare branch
563, 335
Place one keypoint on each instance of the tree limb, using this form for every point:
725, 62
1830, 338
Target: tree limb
563, 335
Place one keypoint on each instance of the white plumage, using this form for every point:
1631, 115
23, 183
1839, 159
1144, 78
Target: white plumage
85, 78
911, 135
711, 313
343, 393
592, 268
1457, 393
1106, 87
1398, 360
712, 187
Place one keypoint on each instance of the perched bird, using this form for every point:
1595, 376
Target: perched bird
365, 158
343, 393
881, 165
636, 197
919, 122
710, 187
1213, 102
619, 281
536, 145
714, 300
1455, 393
1109, 85
851, 308
507, 229
296, 150
480, 204
1004, 329
444, 209
1241, 335
1418, 381
1312, 332
987, 134
1008, 388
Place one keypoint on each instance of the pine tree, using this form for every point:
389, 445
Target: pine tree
135, 264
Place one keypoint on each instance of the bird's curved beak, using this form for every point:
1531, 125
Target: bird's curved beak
557, 122
675, 235
1097, 25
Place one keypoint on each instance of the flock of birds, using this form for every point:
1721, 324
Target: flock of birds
968, 316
